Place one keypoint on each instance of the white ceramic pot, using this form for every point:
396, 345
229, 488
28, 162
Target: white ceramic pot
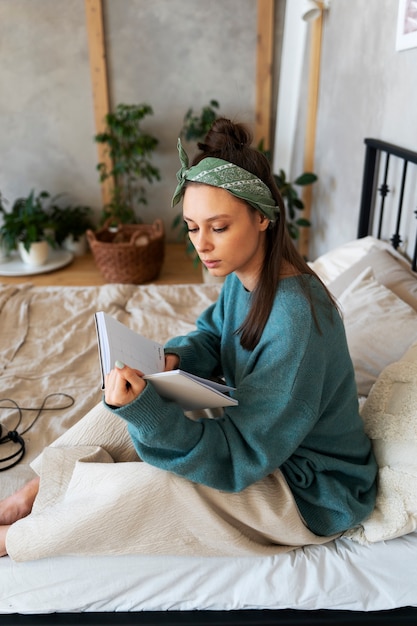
37, 255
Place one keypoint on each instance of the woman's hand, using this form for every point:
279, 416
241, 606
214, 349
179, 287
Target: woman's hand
172, 362
122, 385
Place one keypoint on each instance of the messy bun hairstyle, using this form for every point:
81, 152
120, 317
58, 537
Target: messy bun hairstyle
232, 142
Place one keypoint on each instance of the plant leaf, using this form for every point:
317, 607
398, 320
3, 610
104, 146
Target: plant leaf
307, 178
303, 221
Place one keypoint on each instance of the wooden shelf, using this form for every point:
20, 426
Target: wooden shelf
178, 268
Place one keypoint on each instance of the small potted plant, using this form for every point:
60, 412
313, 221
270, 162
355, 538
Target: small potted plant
28, 227
127, 251
70, 226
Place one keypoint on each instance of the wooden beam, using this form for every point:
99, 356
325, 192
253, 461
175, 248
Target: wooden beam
264, 62
98, 70
310, 138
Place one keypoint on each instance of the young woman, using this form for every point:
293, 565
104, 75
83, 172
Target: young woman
290, 465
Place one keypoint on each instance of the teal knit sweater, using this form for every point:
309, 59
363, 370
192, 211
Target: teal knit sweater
298, 408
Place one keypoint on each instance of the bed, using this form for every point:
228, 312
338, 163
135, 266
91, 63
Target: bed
50, 378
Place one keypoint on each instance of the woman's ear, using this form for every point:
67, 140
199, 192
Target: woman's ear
263, 222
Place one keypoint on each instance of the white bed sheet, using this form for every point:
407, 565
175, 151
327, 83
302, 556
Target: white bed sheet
340, 576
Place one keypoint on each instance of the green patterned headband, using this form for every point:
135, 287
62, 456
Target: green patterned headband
228, 176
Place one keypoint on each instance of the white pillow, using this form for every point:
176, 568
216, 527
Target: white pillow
390, 417
388, 271
331, 264
379, 327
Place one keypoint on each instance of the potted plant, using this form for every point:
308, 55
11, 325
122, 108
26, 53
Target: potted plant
130, 149
127, 251
70, 225
28, 227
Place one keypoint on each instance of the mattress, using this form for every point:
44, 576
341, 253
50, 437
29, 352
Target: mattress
342, 575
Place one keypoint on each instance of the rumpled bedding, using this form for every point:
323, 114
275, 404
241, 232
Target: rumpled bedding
48, 346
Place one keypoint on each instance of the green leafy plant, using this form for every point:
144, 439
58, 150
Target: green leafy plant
292, 200
70, 220
28, 221
196, 126
290, 196
130, 150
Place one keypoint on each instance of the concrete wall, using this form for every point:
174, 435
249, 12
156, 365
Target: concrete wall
46, 114
171, 54
367, 89
176, 54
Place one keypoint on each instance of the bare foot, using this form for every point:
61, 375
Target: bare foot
3, 533
18, 505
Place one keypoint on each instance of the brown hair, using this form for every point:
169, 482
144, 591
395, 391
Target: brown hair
232, 142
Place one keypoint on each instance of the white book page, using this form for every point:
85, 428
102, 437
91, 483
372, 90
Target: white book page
117, 342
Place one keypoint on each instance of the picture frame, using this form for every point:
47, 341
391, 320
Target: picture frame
406, 25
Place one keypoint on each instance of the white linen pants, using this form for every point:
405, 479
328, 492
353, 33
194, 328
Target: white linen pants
97, 497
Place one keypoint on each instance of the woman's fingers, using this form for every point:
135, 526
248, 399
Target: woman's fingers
123, 384
172, 362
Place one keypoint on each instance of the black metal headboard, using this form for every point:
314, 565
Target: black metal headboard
376, 181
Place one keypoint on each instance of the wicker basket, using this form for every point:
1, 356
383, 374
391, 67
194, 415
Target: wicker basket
131, 253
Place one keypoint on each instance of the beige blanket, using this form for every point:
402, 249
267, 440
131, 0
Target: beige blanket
48, 346
97, 497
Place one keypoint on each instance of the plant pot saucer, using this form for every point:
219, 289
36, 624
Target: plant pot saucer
14, 266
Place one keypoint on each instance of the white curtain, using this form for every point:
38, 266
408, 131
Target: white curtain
292, 57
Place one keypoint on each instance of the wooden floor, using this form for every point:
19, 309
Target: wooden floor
178, 268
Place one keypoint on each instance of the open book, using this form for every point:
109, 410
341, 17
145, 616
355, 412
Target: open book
117, 342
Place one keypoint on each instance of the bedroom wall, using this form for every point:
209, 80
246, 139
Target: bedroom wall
180, 53
171, 54
367, 89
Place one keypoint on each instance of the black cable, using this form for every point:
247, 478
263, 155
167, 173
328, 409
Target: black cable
13, 436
